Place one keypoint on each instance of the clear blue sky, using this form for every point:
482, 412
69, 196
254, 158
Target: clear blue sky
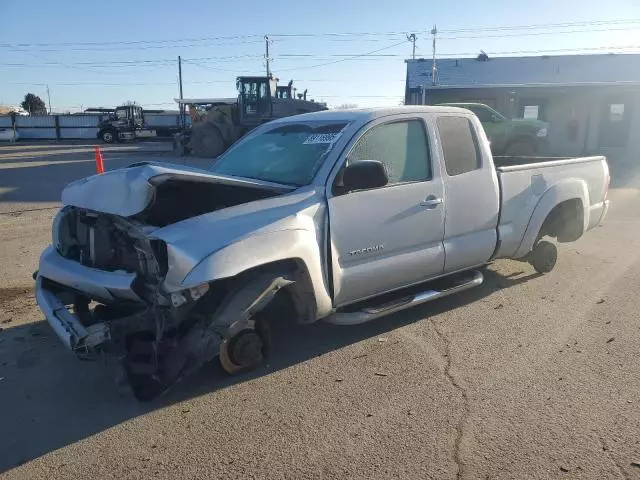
77, 74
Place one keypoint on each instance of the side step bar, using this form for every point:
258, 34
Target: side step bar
366, 314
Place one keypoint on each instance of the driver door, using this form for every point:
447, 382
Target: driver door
390, 237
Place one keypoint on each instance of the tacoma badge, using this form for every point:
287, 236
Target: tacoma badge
366, 250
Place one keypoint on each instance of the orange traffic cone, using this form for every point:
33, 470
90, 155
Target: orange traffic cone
99, 164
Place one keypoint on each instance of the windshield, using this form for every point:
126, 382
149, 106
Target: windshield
290, 154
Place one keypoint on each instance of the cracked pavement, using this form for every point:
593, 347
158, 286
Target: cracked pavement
525, 377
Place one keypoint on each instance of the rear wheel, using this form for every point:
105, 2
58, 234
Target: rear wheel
544, 256
206, 141
108, 136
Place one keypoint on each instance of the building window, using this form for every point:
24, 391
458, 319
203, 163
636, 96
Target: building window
533, 108
531, 111
616, 112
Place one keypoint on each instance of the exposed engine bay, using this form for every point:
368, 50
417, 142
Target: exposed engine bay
177, 199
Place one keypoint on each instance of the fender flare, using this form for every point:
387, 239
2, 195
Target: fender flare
567, 189
282, 245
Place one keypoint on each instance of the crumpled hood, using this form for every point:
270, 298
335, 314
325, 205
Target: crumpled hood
128, 191
192, 240
209, 232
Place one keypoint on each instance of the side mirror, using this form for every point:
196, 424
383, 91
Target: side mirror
496, 118
364, 174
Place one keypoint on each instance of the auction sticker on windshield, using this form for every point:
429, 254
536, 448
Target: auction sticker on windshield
321, 138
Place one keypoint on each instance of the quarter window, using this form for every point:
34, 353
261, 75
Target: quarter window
459, 145
400, 146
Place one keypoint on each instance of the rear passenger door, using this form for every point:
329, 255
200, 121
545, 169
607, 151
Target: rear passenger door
471, 195
386, 238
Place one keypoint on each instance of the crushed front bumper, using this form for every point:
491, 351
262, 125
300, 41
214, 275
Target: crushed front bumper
58, 277
78, 338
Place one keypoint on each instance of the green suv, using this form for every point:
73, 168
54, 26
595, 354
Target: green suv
509, 136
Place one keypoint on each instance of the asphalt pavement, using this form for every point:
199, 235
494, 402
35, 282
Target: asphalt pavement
526, 376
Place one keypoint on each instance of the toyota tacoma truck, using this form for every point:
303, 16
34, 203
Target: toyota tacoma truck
342, 216
510, 136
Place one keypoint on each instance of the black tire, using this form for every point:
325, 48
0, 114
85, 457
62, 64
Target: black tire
109, 136
142, 371
543, 257
521, 148
206, 141
145, 388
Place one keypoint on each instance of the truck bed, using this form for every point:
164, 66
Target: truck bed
510, 161
527, 182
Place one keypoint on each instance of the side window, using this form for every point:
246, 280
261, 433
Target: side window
400, 146
459, 145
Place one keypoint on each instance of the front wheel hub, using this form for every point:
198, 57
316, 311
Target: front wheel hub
247, 349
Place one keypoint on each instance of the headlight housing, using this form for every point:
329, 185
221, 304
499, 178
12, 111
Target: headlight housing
542, 132
55, 228
192, 294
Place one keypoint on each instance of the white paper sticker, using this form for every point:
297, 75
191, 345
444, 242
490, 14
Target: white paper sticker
321, 138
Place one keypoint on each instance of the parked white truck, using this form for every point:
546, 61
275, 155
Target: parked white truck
337, 215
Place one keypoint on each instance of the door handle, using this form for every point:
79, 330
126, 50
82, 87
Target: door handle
431, 201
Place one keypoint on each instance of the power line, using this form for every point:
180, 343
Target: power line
373, 55
258, 38
546, 25
134, 42
147, 47
528, 34
147, 84
215, 69
609, 49
346, 59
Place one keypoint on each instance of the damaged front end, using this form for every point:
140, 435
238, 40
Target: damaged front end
100, 286
111, 287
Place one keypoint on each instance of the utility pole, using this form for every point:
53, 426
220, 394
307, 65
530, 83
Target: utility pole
412, 38
49, 99
181, 109
266, 55
434, 70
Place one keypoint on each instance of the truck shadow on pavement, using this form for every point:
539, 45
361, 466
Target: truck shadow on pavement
48, 399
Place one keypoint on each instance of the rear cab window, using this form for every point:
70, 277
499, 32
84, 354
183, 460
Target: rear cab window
459, 145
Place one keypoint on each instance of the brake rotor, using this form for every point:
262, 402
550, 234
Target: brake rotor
246, 350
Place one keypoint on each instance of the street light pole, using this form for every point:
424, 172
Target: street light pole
181, 109
412, 38
49, 99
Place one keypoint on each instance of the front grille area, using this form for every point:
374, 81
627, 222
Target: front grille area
109, 243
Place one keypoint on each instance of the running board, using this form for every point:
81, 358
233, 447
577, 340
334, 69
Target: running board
366, 314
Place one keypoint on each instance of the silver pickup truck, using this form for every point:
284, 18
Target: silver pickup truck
337, 215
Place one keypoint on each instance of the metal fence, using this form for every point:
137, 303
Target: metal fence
75, 126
